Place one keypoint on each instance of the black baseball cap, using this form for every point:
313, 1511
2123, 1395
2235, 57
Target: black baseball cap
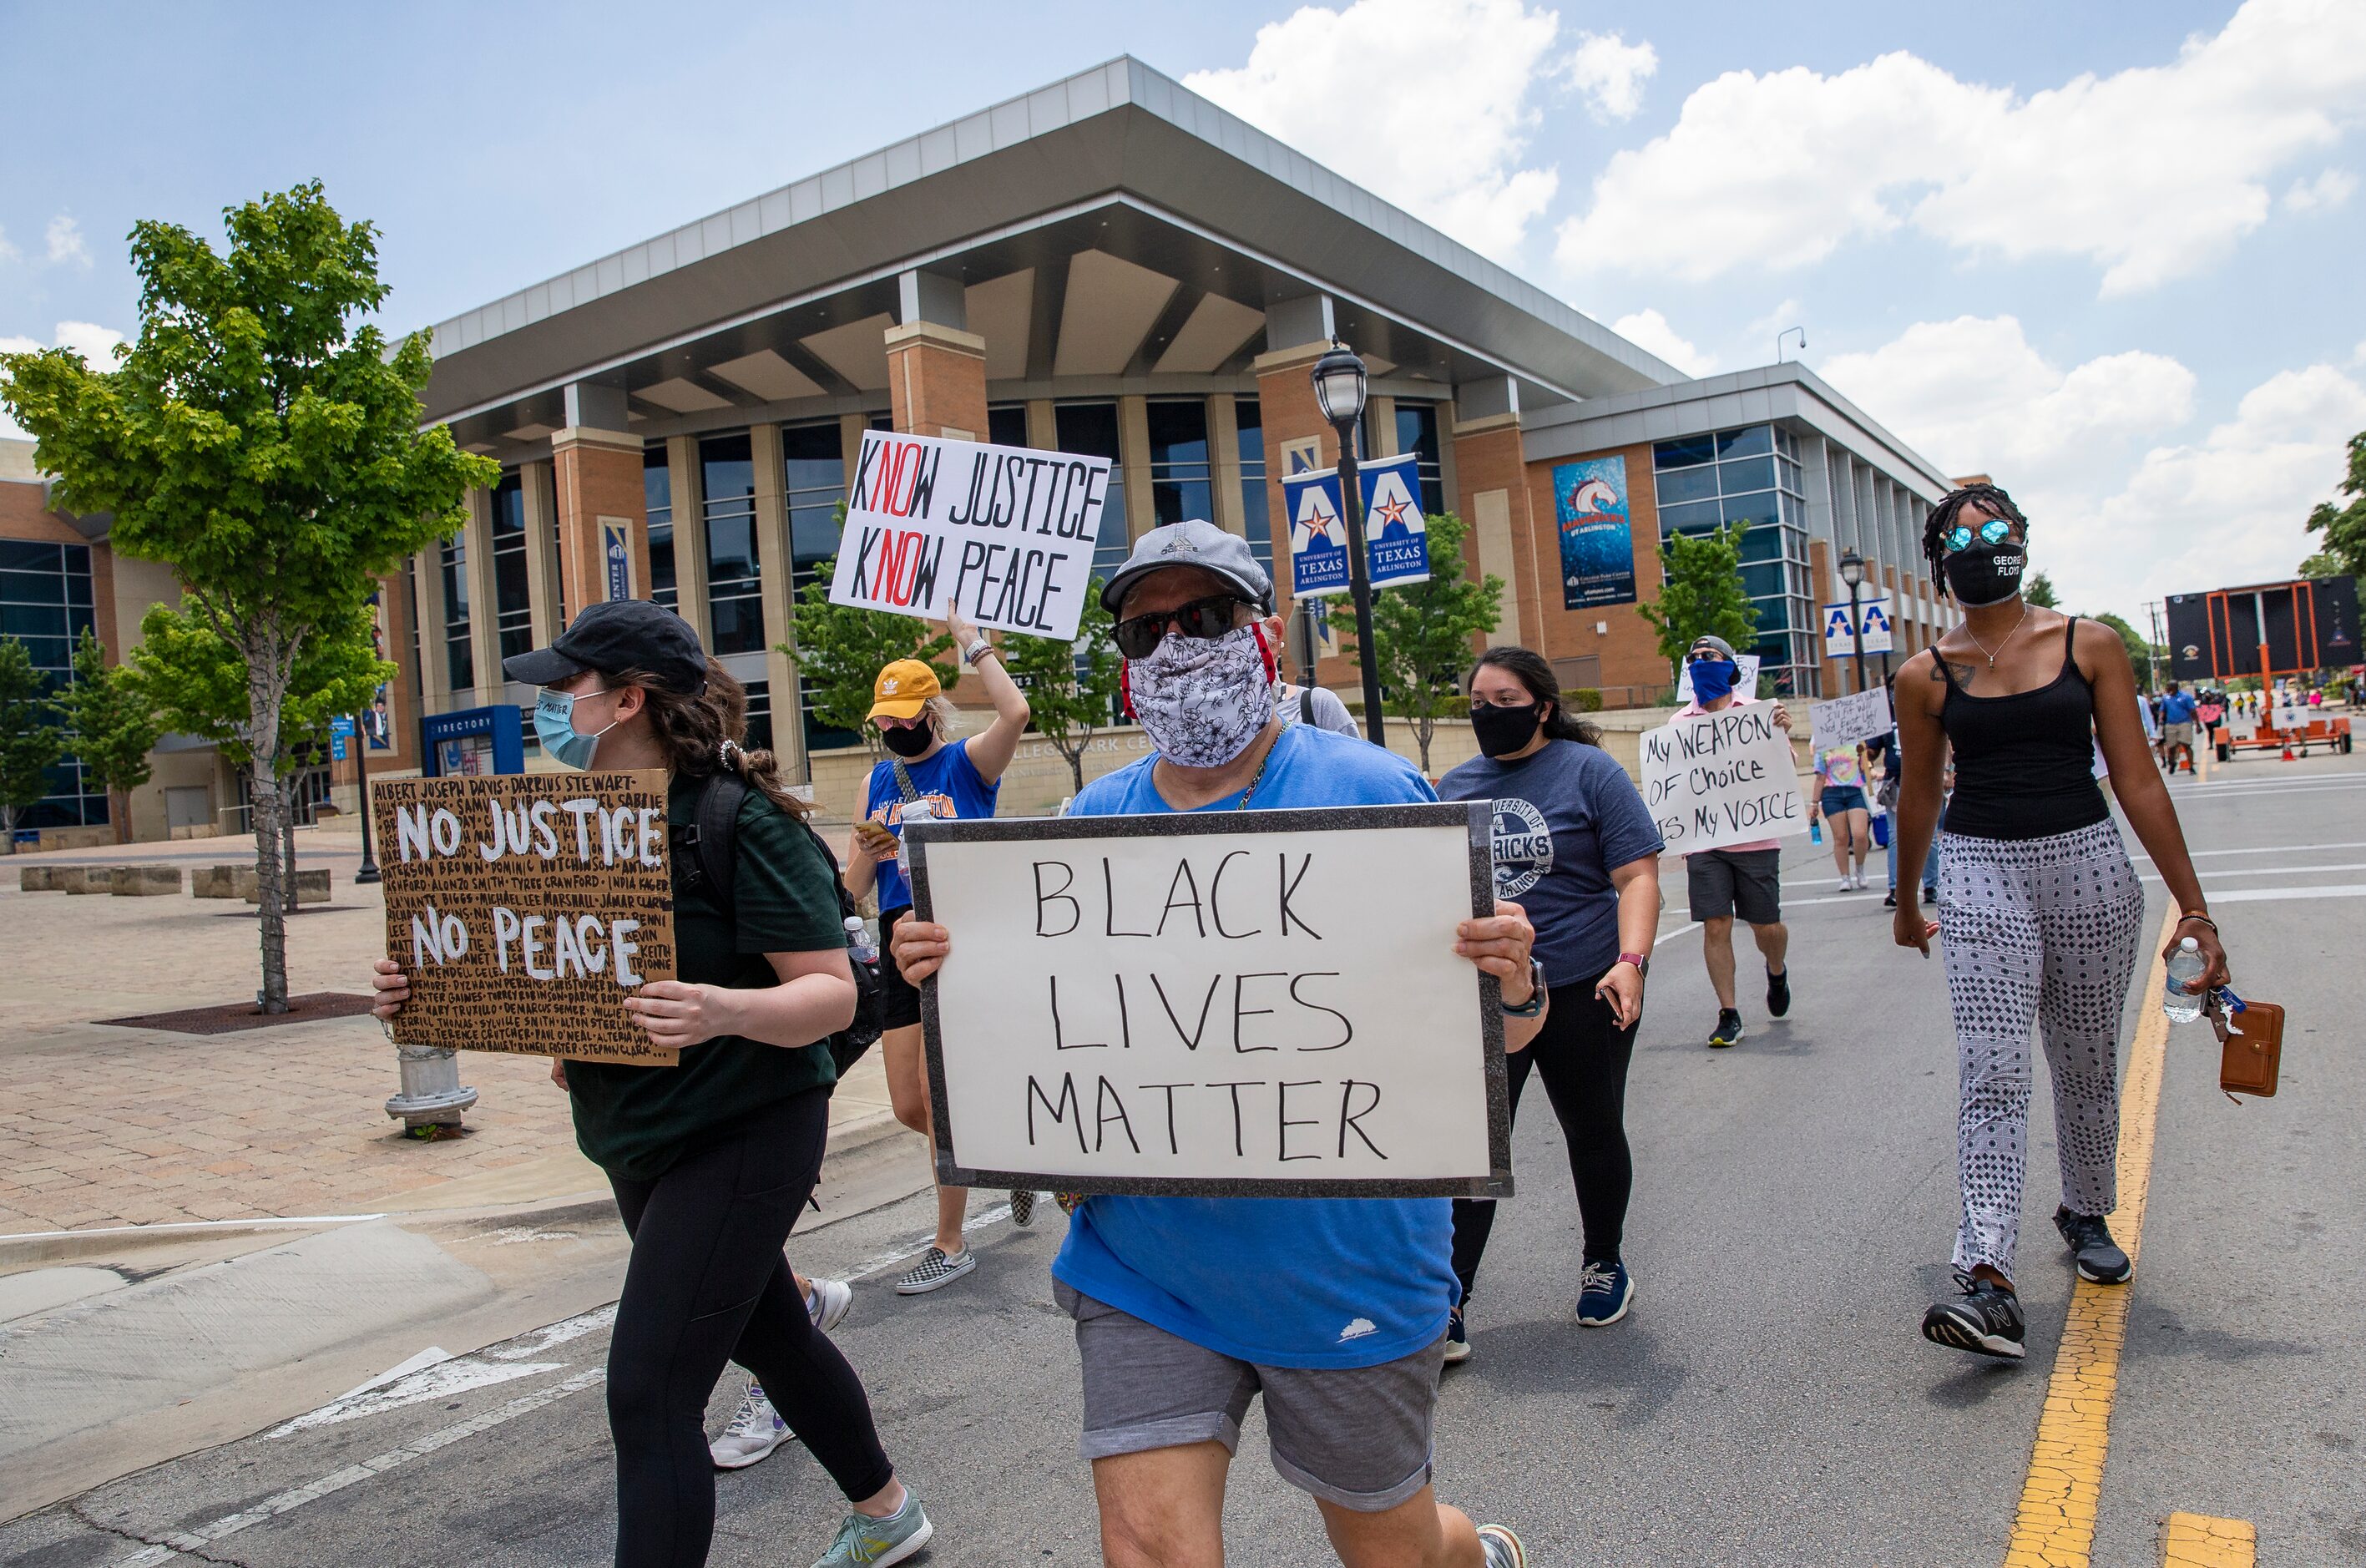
616, 634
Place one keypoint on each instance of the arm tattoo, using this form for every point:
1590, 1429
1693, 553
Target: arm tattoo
1963, 673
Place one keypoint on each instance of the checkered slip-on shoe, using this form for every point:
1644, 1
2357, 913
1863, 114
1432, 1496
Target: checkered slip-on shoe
935, 1271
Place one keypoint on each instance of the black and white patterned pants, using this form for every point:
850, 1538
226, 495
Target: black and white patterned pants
2042, 930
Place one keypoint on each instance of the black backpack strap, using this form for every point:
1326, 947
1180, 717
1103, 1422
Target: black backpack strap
712, 836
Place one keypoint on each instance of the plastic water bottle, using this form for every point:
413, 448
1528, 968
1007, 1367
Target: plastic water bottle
920, 811
2184, 964
1816, 831
860, 946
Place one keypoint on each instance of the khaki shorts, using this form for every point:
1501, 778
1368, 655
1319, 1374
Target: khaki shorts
2177, 734
1359, 1437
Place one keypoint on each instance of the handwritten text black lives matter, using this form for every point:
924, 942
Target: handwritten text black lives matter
525, 907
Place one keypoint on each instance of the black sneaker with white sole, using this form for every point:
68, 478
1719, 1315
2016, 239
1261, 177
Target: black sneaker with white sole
1728, 1030
1778, 992
2089, 1240
1986, 1320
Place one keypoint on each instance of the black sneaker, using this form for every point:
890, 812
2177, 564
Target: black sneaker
1457, 1338
1889, 899
1778, 993
2089, 1240
1728, 1030
1986, 1320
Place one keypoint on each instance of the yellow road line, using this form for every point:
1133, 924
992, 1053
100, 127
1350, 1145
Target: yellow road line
2197, 1541
2054, 1527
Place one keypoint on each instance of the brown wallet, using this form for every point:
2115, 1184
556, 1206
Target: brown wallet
2251, 1044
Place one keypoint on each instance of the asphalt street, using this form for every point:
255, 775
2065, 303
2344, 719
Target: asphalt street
1769, 1401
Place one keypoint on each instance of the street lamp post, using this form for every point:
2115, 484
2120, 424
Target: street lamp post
1339, 386
368, 871
1853, 573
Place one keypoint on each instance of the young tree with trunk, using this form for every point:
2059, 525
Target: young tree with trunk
1422, 633
112, 725
263, 439
1071, 686
30, 741
1704, 595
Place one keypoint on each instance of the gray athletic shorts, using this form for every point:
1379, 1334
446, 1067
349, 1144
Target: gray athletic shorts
1748, 883
1359, 1437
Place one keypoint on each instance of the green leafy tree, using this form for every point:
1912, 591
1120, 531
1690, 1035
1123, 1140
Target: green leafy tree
840, 648
31, 738
113, 726
2345, 528
1070, 686
263, 439
2140, 653
2040, 591
1422, 633
1704, 595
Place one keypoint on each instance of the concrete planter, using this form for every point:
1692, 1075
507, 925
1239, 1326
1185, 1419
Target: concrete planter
39, 879
86, 878
145, 881
220, 881
311, 886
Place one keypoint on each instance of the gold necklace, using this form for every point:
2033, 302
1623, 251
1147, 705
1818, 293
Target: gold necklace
2007, 637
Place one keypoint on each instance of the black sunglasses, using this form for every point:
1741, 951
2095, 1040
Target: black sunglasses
1205, 619
1704, 655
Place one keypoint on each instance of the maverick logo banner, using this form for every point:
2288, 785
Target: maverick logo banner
1396, 536
1006, 533
1597, 539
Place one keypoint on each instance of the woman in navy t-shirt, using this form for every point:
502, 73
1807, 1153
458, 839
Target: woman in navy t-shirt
1575, 848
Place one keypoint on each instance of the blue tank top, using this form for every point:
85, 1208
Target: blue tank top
948, 781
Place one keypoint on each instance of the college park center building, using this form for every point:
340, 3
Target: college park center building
1110, 266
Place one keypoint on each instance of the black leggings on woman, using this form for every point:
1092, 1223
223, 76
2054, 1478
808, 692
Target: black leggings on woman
1583, 1055
708, 1284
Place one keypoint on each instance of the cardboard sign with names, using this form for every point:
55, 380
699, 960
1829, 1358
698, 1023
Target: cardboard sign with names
1723, 778
525, 907
1845, 721
1006, 533
1256, 1004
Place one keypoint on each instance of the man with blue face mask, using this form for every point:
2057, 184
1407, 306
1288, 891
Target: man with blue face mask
1187, 1309
1739, 879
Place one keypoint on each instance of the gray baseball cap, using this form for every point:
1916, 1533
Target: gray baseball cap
1191, 543
1718, 643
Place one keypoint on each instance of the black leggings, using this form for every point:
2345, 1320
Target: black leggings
708, 1284
1583, 1055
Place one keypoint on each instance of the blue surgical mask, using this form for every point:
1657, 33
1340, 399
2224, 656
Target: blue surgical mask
554, 726
1713, 679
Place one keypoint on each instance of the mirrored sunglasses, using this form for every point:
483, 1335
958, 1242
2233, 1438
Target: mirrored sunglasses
1995, 531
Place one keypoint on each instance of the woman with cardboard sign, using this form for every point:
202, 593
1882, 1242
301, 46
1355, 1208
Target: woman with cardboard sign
712, 1159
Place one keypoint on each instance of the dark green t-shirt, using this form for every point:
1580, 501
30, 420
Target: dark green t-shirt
636, 1121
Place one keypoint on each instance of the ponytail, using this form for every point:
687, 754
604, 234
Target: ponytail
1530, 669
705, 735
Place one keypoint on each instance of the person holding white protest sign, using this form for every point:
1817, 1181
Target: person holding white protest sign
1742, 881
2041, 908
927, 775
1574, 842
1188, 1308
712, 1159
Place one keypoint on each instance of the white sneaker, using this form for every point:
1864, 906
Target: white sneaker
829, 1302
754, 1432
1845, 885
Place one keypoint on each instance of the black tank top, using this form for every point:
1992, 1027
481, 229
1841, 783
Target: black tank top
2024, 763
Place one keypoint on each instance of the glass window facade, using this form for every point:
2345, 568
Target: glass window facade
734, 603
1254, 517
1089, 430
514, 606
45, 603
1749, 478
459, 656
657, 497
1180, 475
813, 478
1417, 434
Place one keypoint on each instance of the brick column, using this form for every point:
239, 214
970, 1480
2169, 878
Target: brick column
776, 565
1831, 672
686, 481
936, 380
1493, 496
484, 613
541, 554
599, 488
434, 675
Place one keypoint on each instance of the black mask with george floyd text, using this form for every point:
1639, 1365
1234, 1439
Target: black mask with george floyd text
1985, 574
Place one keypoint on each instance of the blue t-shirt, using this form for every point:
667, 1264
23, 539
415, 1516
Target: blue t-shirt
948, 781
1563, 818
2177, 708
1276, 1281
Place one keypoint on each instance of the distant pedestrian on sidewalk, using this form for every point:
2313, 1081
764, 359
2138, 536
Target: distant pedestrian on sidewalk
1740, 880
712, 1160
2178, 712
1576, 846
2040, 911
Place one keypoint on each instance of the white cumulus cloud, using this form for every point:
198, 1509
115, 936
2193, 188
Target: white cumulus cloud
2151, 174
1611, 72
8, 253
65, 243
2330, 188
1649, 331
1424, 102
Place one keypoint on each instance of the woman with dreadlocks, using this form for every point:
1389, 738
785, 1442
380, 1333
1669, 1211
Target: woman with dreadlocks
2041, 911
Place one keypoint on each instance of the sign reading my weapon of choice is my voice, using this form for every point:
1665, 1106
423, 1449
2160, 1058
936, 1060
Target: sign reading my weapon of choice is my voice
1716, 779
526, 908
1004, 532
1256, 1004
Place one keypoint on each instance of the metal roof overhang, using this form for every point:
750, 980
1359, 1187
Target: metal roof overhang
1118, 158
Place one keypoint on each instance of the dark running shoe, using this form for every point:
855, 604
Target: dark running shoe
1889, 899
1778, 993
1457, 1338
2089, 1240
1930, 893
1986, 1320
1729, 1030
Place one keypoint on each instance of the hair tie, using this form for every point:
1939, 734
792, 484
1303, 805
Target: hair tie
723, 752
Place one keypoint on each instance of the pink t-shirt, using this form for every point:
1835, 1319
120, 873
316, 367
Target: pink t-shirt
1687, 712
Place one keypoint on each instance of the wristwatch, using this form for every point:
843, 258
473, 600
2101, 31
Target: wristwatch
978, 648
1642, 964
1534, 1006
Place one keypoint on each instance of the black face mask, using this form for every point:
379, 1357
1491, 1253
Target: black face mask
906, 741
1502, 730
1985, 574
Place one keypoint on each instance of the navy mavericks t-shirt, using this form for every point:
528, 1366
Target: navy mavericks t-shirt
1563, 817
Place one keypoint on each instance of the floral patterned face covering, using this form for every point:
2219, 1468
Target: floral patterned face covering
1202, 701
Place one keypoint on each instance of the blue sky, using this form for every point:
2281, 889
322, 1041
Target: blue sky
2108, 254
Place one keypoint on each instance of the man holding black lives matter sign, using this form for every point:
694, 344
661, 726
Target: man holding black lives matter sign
1187, 1307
